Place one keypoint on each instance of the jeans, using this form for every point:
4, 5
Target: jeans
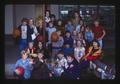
23, 44
101, 43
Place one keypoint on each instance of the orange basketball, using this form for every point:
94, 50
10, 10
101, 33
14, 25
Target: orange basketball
54, 37
16, 32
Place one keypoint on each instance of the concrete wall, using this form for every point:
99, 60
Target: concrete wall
55, 10
28, 11
8, 19
21, 11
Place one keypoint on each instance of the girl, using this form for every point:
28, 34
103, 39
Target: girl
32, 31
47, 17
79, 51
60, 26
57, 46
81, 39
74, 36
94, 52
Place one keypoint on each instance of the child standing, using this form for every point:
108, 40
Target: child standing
50, 30
88, 36
23, 28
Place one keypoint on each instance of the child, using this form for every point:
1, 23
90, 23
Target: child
79, 51
39, 47
54, 69
94, 52
74, 37
50, 30
69, 27
23, 67
62, 62
60, 27
41, 32
68, 39
57, 46
53, 19
80, 27
99, 32
40, 69
47, 17
81, 39
31, 49
73, 70
67, 50
32, 30
23, 28
88, 36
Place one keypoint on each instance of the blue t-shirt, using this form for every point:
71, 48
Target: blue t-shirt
89, 36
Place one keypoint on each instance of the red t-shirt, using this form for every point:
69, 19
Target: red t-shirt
98, 31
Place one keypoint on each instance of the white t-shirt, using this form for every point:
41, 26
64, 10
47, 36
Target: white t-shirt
24, 32
79, 52
47, 19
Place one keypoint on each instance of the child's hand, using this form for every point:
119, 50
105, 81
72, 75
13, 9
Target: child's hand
50, 74
17, 72
31, 62
71, 65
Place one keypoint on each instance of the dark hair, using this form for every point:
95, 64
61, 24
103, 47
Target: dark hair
23, 52
24, 20
60, 52
78, 14
31, 19
96, 42
67, 32
47, 11
71, 55
52, 15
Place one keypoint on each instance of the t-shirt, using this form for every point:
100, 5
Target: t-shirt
89, 36
98, 32
79, 52
50, 31
24, 32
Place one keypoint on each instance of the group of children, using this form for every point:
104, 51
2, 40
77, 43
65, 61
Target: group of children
57, 50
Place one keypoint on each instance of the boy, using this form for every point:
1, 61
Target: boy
73, 71
23, 67
23, 28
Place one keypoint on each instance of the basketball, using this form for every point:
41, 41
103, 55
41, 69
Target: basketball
20, 71
54, 37
16, 32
